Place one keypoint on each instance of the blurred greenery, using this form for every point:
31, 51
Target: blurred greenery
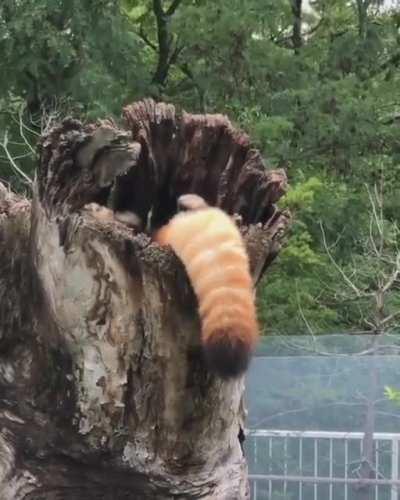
322, 101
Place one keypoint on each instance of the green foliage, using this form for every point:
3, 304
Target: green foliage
81, 53
392, 394
325, 108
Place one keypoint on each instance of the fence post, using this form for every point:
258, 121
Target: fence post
395, 468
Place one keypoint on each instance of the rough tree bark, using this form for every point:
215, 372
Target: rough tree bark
167, 54
103, 391
297, 38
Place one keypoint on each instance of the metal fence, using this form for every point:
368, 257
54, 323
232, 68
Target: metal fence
320, 465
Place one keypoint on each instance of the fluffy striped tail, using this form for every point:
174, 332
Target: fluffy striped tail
210, 246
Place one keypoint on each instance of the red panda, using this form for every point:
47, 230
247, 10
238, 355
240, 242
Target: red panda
211, 248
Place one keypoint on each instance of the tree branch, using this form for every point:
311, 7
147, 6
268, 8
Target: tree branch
175, 4
346, 279
175, 54
4, 145
394, 277
147, 41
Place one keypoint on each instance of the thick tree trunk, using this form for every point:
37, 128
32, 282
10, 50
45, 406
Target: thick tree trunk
297, 37
166, 52
103, 390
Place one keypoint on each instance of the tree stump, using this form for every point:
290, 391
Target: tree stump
104, 393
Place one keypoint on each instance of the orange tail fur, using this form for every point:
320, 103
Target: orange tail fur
210, 246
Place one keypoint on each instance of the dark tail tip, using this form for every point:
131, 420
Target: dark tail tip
227, 357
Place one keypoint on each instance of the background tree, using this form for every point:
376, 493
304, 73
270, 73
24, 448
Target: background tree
370, 290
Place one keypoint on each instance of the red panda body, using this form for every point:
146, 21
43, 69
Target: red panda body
211, 248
